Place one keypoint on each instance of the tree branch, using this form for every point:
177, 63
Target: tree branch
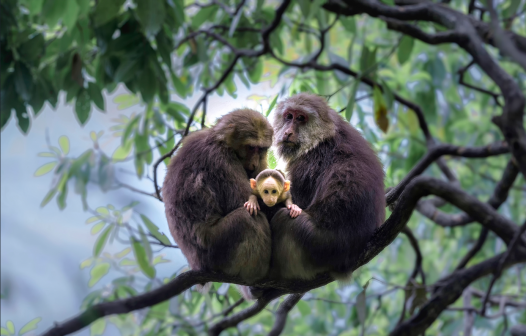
505, 45
502, 262
257, 307
418, 260
499, 196
281, 315
443, 149
461, 81
449, 290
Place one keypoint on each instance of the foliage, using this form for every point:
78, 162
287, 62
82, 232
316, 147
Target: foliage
86, 48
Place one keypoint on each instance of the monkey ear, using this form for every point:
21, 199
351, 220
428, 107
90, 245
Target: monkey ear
286, 185
253, 184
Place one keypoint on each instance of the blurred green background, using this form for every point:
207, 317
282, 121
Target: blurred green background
94, 92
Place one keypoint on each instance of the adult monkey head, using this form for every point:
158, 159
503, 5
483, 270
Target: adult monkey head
300, 124
338, 182
248, 135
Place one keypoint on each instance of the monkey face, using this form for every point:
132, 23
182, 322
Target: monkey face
300, 123
249, 135
270, 190
252, 157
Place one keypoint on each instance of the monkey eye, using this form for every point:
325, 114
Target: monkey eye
274, 191
300, 118
289, 116
266, 191
251, 147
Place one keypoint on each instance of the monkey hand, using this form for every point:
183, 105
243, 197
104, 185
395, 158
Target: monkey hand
252, 206
294, 210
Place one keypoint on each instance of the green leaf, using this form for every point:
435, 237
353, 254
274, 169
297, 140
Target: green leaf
92, 219
272, 104
83, 107
96, 96
63, 141
49, 196
22, 118
86, 263
126, 100
10, 327
254, 73
4, 331
123, 253
203, 15
380, 110
150, 15
97, 227
23, 81
121, 153
101, 241
44, 169
148, 85
97, 272
405, 48
361, 306
271, 158
348, 23
34, 6
70, 14
142, 259
180, 88
106, 10
47, 154
154, 230
52, 11
175, 110
31, 325
129, 128
304, 308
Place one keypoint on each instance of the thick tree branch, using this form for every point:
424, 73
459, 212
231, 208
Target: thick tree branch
499, 196
439, 150
281, 315
414, 31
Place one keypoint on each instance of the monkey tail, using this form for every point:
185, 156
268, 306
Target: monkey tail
343, 279
203, 288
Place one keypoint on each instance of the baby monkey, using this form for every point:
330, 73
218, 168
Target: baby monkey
270, 185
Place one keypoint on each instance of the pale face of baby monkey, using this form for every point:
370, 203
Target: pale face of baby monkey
272, 188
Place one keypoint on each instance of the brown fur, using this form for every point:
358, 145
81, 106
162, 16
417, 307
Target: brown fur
204, 192
337, 179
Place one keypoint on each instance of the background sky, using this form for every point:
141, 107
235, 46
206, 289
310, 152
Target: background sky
42, 248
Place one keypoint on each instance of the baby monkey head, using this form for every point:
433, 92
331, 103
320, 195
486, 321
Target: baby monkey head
270, 184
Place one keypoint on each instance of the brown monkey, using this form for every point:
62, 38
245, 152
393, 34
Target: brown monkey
272, 188
204, 192
338, 181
